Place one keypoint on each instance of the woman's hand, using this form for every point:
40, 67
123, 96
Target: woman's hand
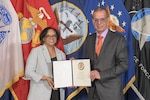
50, 82
72, 58
72, 86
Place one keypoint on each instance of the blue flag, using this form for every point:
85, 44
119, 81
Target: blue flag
119, 13
7, 95
73, 29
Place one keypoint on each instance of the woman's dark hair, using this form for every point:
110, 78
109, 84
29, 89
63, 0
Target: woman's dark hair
44, 32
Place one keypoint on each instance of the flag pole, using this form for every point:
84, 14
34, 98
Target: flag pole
137, 92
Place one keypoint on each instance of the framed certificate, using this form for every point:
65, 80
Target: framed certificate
71, 73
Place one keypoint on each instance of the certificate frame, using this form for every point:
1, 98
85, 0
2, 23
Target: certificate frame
71, 73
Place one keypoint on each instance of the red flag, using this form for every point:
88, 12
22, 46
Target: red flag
34, 16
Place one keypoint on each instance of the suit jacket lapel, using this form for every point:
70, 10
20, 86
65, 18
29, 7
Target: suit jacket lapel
46, 53
93, 42
58, 55
47, 56
105, 43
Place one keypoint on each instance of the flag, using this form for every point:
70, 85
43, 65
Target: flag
73, 29
120, 18
11, 58
33, 17
7, 95
139, 11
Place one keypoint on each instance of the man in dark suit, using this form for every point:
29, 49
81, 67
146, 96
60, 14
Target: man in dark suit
107, 66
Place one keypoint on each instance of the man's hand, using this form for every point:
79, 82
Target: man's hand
94, 75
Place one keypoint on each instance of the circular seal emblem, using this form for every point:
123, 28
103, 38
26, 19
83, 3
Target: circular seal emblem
5, 16
81, 66
72, 25
140, 24
5, 19
26, 30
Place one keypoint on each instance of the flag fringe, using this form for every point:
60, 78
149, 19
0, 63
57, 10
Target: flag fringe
74, 93
11, 82
129, 84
